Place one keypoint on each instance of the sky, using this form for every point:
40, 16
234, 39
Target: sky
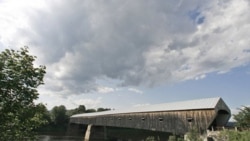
123, 53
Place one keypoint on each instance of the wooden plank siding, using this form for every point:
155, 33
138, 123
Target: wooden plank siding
166, 121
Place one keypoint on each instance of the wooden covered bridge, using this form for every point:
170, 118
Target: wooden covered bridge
176, 117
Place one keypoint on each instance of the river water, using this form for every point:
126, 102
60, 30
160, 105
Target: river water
59, 138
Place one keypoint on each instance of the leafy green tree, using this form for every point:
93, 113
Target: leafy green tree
80, 109
59, 116
19, 80
243, 118
102, 109
44, 113
90, 110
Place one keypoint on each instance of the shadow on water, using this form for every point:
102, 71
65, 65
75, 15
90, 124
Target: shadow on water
112, 134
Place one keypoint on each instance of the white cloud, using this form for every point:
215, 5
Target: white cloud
105, 90
89, 103
200, 77
135, 90
134, 42
71, 102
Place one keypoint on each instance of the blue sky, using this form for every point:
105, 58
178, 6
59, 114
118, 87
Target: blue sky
120, 54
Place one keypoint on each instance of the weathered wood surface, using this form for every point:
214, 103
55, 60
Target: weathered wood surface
171, 121
204, 114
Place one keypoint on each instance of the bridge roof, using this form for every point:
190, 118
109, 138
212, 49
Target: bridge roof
208, 103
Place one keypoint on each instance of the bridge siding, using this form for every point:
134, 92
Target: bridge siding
173, 121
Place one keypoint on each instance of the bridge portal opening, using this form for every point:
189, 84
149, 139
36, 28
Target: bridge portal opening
220, 120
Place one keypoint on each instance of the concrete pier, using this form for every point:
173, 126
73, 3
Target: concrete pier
95, 133
88, 133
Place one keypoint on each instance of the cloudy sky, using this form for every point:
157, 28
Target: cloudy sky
126, 53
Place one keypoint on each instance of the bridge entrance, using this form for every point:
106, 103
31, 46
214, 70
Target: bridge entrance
220, 120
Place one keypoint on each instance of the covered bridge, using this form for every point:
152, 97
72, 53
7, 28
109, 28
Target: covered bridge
176, 117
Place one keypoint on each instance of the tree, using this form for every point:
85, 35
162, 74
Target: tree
103, 109
90, 110
19, 80
59, 116
44, 113
243, 118
80, 109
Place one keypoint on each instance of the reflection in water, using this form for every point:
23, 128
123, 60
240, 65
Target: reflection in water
59, 138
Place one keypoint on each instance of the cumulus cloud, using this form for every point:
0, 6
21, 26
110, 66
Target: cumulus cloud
72, 101
200, 77
133, 42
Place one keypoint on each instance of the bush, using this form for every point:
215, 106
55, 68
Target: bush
193, 135
230, 135
152, 138
172, 138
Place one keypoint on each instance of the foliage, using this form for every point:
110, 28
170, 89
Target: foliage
193, 135
90, 110
19, 80
152, 138
230, 135
43, 113
172, 138
80, 109
175, 138
102, 109
180, 139
58, 118
58, 115
243, 118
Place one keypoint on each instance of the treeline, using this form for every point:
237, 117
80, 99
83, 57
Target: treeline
57, 118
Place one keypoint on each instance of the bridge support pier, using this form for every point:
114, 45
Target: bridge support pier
105, 132
95, 132
88, 132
